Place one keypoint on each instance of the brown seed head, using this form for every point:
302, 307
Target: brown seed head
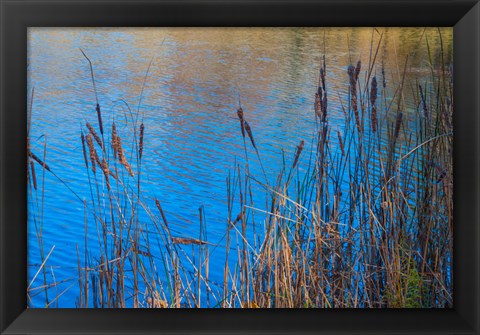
298, 152
357, 69
122, 158
94, 134
84, 150
340, 141
240, 117
114, 141
93, 153
249, 132
322, 78
318, 104
140, 146
99, 115
106, 172
34, 178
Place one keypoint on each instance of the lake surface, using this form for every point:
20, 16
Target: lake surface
192, 135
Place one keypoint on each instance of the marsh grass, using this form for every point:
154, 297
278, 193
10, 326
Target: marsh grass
360, 215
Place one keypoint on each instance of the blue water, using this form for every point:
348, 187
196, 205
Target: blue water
192, 135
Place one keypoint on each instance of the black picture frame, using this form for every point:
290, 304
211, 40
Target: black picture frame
17, 15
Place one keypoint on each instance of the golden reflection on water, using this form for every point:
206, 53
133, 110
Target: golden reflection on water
236, 57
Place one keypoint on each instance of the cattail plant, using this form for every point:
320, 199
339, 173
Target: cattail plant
94, 159
298, 153
121, 156
249, 133
140, 144
373, 100
95, 136
353, 95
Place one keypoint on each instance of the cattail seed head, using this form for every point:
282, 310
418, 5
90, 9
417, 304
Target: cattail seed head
340, 141
114, 141
353, 94
94, 134
93, 153
122, 158
384, 81
249, 133
84, 150
373, 91
318, 104
240, 113
99, 115
324, 107
140, 146
106, 172
322, 78
357, 69
298, 152
351, 73
34, 178
39, 161
240, 117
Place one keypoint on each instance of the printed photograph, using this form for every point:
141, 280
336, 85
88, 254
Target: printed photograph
240, 167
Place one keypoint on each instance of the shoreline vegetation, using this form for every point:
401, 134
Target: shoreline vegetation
369, 224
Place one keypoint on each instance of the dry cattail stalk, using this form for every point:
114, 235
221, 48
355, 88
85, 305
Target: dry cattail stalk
157, 203
298, 152
373, 99
240, 117
384, 81
99, 115
122, 158
324, 134
321, 97
106, 172
357, 69
140, 146
398, 123
84, 150
324, 108
34, 178
240, 113
249, 133
93, 153
340, 141
39, 161
353, 94
94, 134
114, 141
139, 251
160, 209
186, 241
318, 103
322, 78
